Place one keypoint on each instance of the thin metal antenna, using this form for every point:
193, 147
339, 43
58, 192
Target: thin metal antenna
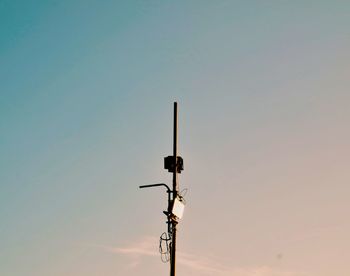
173, 164
175, 191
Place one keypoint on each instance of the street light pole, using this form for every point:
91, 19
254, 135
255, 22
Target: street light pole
175, 192
173, 164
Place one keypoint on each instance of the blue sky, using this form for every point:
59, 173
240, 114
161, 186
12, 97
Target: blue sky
86, 106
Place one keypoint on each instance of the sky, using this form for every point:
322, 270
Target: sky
86, 101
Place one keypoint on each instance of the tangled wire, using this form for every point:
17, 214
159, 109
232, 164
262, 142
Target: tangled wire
164, 247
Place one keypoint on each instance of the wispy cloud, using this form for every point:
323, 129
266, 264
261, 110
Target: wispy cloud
146, 247
202, 264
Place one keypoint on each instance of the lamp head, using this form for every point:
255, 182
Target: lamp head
178, 208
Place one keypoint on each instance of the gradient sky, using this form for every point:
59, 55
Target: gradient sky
86, 95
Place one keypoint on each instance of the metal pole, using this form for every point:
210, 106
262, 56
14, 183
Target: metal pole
173, 164
175, 191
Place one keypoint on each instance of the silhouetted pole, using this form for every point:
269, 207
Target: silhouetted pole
175, 192
173, 164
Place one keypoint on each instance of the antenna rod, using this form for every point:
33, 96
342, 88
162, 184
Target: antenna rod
175, 184
175, 192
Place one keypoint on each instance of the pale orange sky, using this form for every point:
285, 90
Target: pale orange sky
86, 117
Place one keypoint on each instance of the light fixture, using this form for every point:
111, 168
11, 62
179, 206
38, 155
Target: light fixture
178, 208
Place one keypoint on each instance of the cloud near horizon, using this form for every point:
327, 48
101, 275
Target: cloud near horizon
202, 264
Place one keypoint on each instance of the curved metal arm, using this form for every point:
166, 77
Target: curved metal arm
156, 185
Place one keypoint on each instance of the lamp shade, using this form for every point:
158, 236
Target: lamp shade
178, 208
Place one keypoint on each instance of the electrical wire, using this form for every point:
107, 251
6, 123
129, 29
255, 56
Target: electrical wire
164, 247
182, 195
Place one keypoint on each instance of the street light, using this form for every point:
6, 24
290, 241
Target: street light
174, 164
178, 208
